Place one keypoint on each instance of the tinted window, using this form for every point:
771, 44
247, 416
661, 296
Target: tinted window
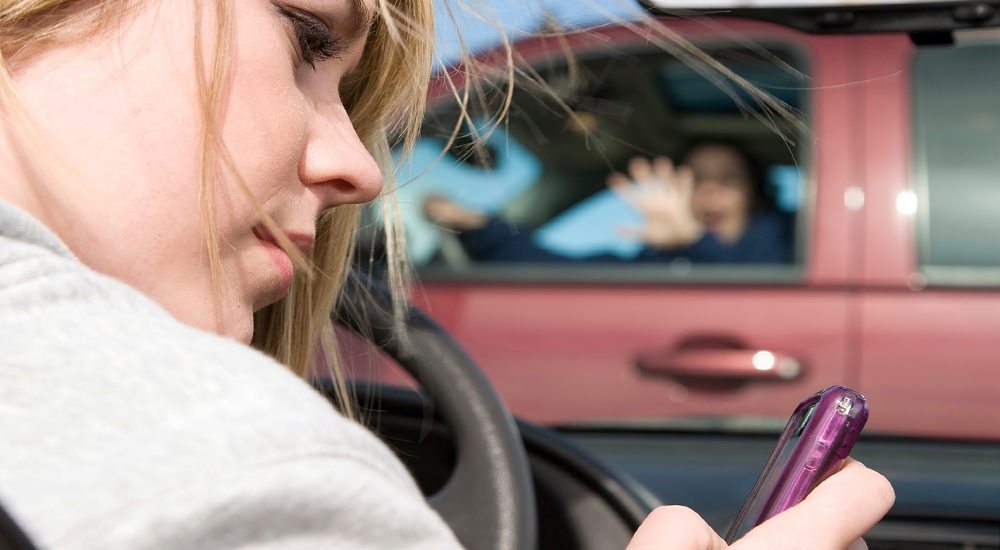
957, 155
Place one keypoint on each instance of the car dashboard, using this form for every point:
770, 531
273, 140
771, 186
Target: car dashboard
594, 484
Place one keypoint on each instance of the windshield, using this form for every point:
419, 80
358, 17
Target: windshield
704, 236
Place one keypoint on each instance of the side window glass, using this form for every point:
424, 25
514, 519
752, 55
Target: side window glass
632, 162
956, 162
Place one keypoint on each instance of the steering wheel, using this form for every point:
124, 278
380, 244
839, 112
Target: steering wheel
489, 500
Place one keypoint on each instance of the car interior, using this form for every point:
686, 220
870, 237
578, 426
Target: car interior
506, 483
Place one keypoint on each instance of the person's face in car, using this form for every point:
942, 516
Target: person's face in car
721, 196
131, 136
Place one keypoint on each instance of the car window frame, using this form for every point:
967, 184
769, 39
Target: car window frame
680, 273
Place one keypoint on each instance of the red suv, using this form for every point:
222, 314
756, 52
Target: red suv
889, 186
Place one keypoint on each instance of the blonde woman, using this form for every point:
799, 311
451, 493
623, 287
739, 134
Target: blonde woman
178, 186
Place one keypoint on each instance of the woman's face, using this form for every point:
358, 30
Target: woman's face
123, 113
721, 196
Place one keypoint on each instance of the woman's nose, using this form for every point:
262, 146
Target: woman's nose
335, 162
709, 186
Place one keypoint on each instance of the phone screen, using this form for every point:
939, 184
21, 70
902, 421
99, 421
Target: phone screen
818, 437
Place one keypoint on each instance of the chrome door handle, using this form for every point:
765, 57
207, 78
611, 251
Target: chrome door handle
736, 365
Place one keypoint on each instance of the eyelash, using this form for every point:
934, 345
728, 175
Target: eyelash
316, 42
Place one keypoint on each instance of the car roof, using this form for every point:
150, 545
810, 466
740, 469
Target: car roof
928, 17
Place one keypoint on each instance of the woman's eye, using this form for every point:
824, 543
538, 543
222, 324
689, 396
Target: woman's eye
316, 42
733, 180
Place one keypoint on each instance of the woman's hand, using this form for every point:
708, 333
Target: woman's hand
832, 517
662, 194
448, 213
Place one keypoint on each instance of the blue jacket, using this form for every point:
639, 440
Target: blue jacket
767, 239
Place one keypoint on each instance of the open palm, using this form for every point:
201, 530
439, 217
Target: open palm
661, 193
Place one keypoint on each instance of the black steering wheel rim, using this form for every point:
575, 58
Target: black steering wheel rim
489, 500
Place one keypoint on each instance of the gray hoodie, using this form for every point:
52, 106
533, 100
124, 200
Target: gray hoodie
122, 428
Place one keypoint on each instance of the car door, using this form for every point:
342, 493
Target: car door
929, 311
583, 342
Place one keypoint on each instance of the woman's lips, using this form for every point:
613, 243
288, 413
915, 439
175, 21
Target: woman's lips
710, 220
281, 260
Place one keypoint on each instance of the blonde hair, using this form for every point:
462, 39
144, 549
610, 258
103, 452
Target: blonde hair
385, 101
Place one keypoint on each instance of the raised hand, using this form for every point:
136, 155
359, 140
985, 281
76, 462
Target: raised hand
661, 193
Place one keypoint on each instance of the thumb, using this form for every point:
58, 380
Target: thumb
834, 515
676, 528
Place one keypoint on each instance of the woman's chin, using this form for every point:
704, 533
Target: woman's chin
241, 330
234, 324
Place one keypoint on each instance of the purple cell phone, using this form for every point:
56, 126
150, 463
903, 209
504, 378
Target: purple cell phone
814, 444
